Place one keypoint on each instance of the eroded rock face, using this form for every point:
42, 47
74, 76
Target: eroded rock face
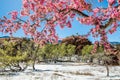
78, 41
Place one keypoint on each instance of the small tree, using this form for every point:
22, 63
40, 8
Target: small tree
55, 51
86, 52
11, 57
100, 55
47, 51
70, 50
32, 50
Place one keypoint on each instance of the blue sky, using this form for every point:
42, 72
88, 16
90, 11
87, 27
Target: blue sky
11, 5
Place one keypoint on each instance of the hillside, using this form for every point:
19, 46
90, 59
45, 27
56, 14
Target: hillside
9, 38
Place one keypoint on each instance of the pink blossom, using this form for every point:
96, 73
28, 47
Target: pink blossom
69, 24
96, 10
32, 6
14, 15
22, 13
25, 4
118, 1
93, 30
42, 1
111, 2
114, 28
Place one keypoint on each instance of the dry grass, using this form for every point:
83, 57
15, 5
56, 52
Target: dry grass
77, 64
58, 74
81, 73
76, 73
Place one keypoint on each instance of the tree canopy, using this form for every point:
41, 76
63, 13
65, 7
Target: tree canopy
46, 15
78, 41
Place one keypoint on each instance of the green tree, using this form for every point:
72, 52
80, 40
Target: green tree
33, 51
86, 52
47, 51
78, 41
55, 51
100, 56
62, 50
11, 57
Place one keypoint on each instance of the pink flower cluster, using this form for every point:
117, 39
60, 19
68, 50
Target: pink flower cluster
14, 15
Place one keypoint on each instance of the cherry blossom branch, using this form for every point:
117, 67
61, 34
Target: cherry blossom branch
76, 11
21, 20
111, 20
79, 12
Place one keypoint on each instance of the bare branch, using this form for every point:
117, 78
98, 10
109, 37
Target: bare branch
21, 20
79, 12
76, 11
111, 20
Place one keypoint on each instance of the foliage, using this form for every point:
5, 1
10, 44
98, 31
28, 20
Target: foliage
21, 51
87, 49
56, 51
78, 41
10, 56
32, 50
101, 55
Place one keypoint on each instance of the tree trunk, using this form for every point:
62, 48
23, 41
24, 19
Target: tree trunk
55, 60
99, 61
33, 65
25, 67
107, 68
91, 60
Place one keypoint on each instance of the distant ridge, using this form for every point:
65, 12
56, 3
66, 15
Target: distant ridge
5, 37
114, 43
59, 41
13, 39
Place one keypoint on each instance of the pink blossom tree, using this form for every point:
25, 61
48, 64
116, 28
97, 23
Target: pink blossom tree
39, 18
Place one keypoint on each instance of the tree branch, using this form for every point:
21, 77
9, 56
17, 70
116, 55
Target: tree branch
79, 12
111, 20
76, 11
21, 20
